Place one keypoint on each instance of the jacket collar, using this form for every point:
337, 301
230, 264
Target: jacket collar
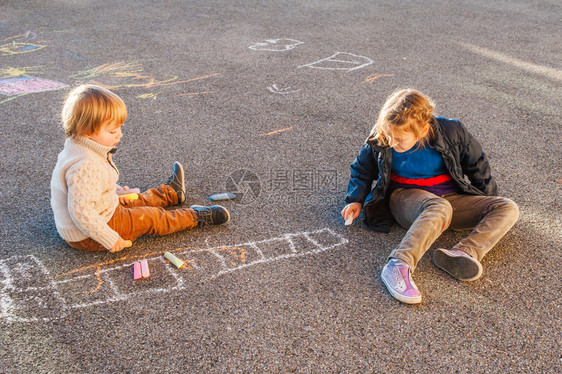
438, 142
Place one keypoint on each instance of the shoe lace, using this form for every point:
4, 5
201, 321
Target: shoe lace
204, 216
171, 179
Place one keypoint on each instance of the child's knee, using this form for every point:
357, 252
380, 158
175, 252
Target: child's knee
512, 210
444, 211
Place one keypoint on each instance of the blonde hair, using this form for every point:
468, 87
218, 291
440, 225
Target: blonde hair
88, 107
405, 110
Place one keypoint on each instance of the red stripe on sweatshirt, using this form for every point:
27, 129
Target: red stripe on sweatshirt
426, 182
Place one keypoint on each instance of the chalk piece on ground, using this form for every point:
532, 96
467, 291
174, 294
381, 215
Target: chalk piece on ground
144, 268
173, 259
137, 271
128, 243
349, 221
223, 196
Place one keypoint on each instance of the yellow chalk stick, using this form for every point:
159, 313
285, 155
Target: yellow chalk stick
128, 243
173, 259
131, 196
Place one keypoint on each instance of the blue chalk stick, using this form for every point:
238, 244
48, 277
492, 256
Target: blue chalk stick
223, 196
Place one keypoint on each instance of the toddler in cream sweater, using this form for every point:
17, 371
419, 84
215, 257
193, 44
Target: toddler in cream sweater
89, 212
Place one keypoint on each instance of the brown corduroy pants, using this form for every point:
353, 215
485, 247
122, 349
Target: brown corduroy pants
146, 216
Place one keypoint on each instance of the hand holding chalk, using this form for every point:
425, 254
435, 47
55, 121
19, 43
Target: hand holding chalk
350, 212
126, 190
120, 244
130, 196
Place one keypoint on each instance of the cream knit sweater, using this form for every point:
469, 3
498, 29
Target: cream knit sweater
83, 194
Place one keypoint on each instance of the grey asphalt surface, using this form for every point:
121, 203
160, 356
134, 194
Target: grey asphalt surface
274, 99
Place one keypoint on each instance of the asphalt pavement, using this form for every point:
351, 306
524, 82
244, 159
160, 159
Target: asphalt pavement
272, 100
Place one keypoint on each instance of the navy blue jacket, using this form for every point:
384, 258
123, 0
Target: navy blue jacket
462, 155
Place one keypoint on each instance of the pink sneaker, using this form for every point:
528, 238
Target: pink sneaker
397, 278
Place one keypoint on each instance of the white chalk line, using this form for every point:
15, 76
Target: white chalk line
7, 304
281, 91
545, 71
294, 253
366, 62
9, 307
263, 46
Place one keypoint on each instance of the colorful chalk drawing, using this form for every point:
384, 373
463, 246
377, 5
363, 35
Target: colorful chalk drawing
21, 86
340, 61
131, 75
19, 44
26, 85
52, 297
276, 45
17, 48
281, 91
11, 72
112, 76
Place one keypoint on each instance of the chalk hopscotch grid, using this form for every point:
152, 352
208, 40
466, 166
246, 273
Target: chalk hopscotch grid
313, 241
23, 265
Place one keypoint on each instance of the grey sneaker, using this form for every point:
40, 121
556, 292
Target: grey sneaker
457, 263
177, 182
211, 215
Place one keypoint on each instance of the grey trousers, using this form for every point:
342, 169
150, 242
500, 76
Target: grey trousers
426, 216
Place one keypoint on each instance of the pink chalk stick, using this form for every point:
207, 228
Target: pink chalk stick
138, 271
144, 268
126, 192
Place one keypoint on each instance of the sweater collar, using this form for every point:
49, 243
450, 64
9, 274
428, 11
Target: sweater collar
102, 150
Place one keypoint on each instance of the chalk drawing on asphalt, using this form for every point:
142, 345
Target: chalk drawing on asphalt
131, 74
27, 85
276, 131
29, 293
12, 72
17, 48
340, 61
376, 76
20, 44
276, 45
281, 90
21, 86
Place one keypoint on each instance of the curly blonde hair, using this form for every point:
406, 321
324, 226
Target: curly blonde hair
88, 107
405, 110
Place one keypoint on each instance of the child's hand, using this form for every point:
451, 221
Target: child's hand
120, 244
125, 199
126, 190
351, 211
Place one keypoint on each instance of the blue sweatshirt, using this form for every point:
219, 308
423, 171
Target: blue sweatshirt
421, 168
